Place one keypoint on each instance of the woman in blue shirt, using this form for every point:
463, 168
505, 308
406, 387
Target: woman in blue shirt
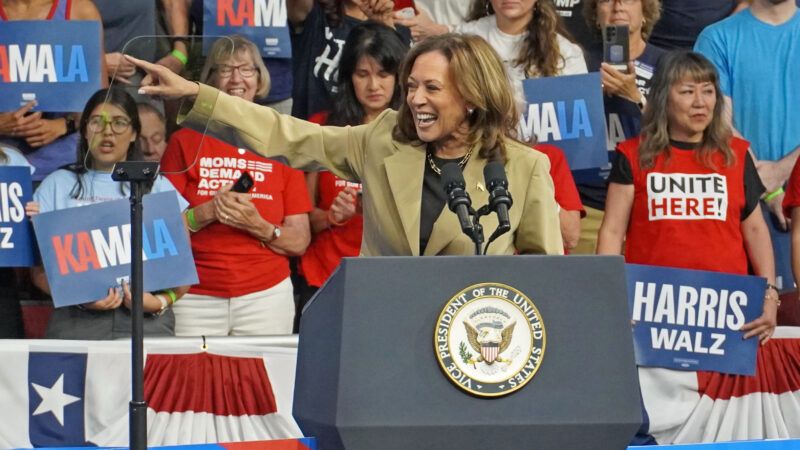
109, 129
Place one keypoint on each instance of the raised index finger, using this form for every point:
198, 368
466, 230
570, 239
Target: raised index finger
146, 65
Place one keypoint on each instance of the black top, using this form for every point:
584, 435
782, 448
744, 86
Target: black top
571, 13
434, 200
318, 48
621, 173
682, 21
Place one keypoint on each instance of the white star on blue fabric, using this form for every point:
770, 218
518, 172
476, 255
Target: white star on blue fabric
54, 399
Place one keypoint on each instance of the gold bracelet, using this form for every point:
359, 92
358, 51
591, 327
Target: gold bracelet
775, 297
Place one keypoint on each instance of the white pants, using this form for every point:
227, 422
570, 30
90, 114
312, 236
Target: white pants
270, 311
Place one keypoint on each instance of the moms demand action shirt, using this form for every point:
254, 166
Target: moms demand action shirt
231, 262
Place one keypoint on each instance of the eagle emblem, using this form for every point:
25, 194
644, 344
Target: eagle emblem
489, 331
489, 341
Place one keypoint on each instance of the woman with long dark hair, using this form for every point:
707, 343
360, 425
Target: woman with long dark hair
367, 86
685, 193
109, 130
319, 27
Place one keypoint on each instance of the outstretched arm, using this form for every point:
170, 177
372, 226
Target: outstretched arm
263, 130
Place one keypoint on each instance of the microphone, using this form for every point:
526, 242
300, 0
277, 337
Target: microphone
499, 198
457, 197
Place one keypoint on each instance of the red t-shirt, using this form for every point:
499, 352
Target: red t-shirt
328, 247
566, 193
792, 197
686, 215
231, 262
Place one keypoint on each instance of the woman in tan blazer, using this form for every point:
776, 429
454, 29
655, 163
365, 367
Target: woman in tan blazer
459, 109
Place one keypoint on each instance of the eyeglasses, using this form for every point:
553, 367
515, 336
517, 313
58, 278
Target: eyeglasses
245, 71
624, 2
97, 124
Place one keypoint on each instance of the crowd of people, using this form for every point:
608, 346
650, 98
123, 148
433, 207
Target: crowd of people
370, 108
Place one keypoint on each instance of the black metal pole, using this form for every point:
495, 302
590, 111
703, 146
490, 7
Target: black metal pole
138, 406
136, 173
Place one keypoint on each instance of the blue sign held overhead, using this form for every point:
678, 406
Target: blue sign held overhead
41, 60
690, 319
567, 111
262, 21
16, 234
86, 250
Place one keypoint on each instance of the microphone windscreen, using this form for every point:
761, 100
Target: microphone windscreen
452, 177
494, 173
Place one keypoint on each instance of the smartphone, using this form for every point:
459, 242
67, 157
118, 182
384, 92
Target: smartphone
243, 184
616, 47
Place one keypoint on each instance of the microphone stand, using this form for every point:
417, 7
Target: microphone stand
482, 211
477, 228
136, 173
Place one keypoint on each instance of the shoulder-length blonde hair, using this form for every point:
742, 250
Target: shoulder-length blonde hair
480, 78
539, 55
223, 49
651, 12
673, 68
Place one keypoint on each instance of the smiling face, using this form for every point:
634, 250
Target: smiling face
438, 110
690, 108
373, 86
621, 12
238, 76
109, 134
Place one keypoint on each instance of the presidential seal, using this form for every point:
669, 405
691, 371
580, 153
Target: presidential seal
490, 339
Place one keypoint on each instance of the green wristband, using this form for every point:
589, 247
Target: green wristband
180, 56
173, 297
191, 221
170, 293
774, 194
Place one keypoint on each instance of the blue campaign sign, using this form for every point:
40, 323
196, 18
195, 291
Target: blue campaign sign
56, 63
689, 319
262, 21
567, 111
16, 234
86, 250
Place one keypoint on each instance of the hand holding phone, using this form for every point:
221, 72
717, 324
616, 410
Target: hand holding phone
243, 184
616, 46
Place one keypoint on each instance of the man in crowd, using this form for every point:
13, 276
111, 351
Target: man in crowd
754, 52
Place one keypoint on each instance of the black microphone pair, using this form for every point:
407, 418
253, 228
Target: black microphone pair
459, 202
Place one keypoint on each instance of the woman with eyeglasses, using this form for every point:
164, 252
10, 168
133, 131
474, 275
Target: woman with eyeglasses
624, 93
241, 241
109, 129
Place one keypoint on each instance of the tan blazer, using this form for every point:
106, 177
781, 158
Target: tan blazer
391, 173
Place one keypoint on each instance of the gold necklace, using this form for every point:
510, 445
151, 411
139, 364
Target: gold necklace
461, 163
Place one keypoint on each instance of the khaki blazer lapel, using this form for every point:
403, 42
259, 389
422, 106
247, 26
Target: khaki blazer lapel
446, 228
404, 171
